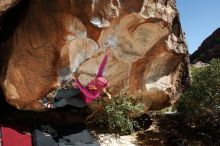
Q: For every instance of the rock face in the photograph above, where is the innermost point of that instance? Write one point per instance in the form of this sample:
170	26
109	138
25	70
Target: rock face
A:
43	42
7	4
209	49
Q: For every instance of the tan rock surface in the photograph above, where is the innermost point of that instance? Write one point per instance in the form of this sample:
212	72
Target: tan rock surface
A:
55	38
7	4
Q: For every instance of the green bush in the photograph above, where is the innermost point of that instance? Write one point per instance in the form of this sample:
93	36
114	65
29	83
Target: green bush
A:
118	114
200	104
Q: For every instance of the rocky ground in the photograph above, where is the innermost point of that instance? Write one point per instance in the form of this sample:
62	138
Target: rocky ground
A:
165	130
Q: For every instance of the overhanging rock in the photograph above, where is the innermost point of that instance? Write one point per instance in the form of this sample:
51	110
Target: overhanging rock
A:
53	38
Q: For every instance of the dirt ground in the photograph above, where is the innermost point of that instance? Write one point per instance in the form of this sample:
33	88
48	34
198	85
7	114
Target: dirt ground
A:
165	130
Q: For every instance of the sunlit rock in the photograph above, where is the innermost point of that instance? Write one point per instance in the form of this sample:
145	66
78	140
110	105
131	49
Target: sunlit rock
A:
52	39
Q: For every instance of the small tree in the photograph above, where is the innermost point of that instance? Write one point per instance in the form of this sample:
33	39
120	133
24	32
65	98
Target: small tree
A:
119	113
200	104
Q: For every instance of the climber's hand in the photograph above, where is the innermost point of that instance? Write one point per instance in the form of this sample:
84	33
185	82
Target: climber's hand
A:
107	50
108	95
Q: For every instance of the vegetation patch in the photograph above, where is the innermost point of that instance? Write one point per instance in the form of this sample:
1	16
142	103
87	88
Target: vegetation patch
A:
119	114
200	104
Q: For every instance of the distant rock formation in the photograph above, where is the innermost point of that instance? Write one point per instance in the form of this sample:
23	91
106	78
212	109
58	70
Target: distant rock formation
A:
209	49
42	42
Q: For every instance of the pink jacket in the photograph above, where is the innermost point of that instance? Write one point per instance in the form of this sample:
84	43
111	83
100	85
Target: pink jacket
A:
90	95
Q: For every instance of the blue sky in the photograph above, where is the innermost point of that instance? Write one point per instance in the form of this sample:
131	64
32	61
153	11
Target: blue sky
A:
199	19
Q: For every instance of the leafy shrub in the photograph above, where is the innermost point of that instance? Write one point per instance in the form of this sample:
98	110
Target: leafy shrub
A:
200	104
118	114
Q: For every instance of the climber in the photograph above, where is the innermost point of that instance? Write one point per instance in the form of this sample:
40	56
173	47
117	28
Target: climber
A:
81	96
94	88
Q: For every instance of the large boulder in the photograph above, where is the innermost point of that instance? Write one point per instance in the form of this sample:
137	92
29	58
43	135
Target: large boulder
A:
44	41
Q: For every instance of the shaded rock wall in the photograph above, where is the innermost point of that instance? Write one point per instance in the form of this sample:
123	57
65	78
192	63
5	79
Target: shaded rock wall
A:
209	49
54	38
